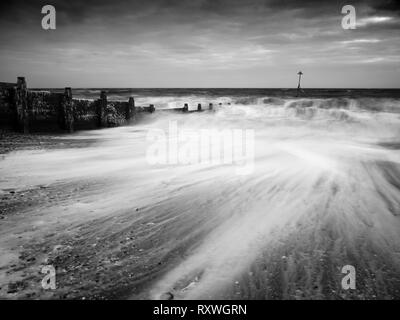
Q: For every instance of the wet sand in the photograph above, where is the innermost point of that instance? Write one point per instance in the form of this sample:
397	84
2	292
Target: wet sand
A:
114	227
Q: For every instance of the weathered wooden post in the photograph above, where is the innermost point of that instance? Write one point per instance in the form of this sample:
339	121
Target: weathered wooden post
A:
130	109
21	105
67	108
185	108
210	106
151	108
101	107
199	107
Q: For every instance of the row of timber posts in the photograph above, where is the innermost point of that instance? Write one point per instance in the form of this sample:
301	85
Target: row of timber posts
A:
66	108
130	110
199	108
23	108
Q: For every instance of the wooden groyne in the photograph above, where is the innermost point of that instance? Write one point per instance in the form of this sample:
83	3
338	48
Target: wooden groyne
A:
185	108
28	111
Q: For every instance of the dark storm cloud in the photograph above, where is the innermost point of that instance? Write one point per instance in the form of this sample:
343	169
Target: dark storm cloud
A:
73	10
78	10
387	5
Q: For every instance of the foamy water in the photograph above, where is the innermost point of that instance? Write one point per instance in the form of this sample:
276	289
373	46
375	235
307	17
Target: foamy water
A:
317	162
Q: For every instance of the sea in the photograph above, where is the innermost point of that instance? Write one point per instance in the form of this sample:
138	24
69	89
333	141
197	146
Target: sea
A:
175	98
323	193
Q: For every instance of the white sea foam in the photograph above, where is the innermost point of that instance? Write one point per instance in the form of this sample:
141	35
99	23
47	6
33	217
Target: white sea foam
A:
314	163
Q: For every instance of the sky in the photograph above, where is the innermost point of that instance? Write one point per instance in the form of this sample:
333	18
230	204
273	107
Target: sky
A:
201	43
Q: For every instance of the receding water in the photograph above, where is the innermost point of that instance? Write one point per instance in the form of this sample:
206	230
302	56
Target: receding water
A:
326	172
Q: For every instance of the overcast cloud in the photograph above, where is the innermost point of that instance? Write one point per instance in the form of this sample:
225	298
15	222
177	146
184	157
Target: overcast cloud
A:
200	43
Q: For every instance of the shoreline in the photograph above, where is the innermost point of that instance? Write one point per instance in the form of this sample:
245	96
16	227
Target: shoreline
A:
116	228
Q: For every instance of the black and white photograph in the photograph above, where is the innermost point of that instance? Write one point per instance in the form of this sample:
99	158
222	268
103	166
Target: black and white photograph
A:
205	150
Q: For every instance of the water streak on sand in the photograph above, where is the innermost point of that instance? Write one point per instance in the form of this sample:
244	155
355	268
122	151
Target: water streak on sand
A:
317	167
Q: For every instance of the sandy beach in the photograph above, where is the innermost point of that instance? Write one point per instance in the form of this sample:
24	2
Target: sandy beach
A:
116	227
